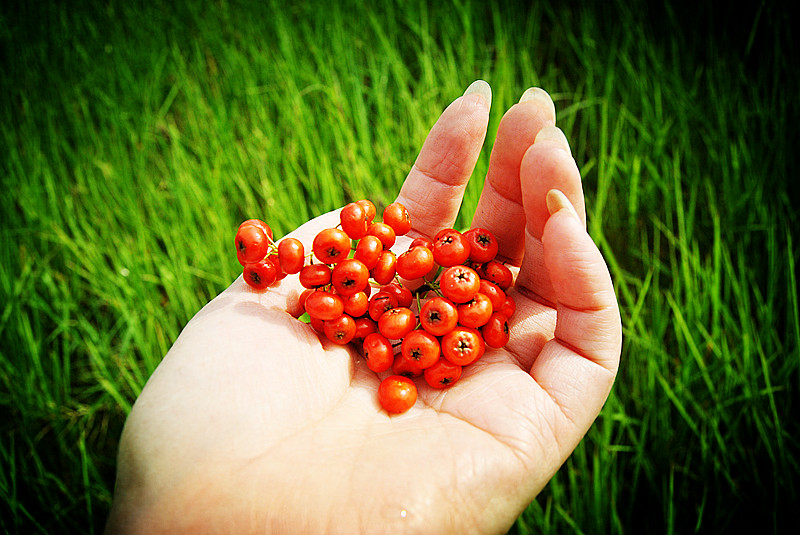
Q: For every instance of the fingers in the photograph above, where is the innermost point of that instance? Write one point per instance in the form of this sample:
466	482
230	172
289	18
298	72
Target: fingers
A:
434	188
578	365
500	208
546	165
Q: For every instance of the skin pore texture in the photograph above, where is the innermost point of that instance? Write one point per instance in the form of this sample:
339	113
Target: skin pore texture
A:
254	424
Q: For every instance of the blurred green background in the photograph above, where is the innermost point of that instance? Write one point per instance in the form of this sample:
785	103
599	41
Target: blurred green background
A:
134	136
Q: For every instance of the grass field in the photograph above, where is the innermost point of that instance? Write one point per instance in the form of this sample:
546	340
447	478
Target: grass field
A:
134	139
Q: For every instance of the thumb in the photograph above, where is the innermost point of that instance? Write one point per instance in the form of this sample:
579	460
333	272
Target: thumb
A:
578	366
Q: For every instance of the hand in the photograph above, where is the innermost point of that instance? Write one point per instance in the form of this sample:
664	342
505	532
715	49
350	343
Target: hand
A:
253	424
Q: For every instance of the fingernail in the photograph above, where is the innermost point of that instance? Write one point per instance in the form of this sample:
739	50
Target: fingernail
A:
552	134
539	95
481	88
556	200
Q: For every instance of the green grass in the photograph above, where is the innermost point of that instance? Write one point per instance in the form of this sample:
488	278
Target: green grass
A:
133	139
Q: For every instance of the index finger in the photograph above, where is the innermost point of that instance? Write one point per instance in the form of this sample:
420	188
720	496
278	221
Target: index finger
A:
434	188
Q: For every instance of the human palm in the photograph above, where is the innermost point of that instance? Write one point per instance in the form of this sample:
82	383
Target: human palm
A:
253	423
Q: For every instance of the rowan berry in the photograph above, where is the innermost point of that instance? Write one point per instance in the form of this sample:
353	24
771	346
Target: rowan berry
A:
291	254
324	305
331	246
315	276
483	245
396	323
378	352
258	223
459	283
405	367
415	263
364	327
356	305
397	394
495	294
450	248
438	316
349	276
396	216
259	275
463	346
475	312
280	274
252	244
420	347
369	210
442	374
353	218
317	324
423	241
384	271
509	307
498	273
340	330
368	250
383	232
404	296
496	332
380	303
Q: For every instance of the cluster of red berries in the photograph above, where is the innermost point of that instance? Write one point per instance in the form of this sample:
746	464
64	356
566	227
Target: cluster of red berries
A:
428	312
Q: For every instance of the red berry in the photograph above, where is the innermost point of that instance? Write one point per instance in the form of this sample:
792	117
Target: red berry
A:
498	273
397	394
354	220
442	374
301	301
396	216
483	245
331	246
421	348
495	332
396	323
317	324
369	250
509	307
291	254
450	248
280	274
378	352
475	312
357	304
405	367
315	276
380	303
340	330
260	275
459	283
364	327
349	276
463	346
423	241
252	244
496	295
438	316
369	210
383	232
258	223
415	263
404	296
384	270
324	305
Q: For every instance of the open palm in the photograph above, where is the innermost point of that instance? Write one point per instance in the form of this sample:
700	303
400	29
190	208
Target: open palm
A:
252	423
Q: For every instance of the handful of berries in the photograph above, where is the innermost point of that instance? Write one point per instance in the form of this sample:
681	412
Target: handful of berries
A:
428	312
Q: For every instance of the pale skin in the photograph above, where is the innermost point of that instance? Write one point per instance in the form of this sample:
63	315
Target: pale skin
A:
253	424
